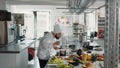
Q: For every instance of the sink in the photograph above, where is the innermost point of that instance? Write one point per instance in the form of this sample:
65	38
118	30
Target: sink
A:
22	43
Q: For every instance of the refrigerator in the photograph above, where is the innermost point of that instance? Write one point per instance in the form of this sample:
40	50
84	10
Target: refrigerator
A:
11	29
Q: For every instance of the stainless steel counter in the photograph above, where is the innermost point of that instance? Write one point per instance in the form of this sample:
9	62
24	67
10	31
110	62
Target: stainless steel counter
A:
16	47
15	55
97	63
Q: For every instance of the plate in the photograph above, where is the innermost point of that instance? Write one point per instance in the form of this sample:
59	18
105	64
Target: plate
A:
98	49
52	64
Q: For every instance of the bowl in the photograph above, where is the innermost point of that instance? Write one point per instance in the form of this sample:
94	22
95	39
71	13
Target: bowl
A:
89	47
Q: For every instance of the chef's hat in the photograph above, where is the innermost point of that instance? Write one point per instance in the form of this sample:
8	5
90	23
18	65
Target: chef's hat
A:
57	28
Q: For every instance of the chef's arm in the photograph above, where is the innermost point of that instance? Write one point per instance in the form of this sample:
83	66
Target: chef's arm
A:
51	46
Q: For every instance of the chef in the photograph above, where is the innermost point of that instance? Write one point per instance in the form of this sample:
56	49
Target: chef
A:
48	46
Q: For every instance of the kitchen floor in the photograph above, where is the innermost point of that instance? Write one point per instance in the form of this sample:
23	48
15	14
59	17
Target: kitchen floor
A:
35	64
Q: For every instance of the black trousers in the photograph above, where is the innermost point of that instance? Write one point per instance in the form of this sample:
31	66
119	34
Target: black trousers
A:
42	63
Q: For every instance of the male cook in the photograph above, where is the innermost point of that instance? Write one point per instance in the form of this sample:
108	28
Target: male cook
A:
48	46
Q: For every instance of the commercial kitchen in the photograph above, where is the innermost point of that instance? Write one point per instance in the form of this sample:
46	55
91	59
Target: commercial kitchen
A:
90	33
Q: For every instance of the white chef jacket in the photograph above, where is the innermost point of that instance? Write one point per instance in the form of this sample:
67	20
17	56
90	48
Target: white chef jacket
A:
46	50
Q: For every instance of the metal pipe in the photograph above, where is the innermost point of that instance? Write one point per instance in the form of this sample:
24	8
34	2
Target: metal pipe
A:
76	8
35	24
84	4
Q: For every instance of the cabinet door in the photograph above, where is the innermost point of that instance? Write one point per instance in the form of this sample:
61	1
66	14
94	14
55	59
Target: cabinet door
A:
3	32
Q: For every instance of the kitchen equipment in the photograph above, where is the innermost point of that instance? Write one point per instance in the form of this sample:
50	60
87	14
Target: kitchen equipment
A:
85	44
72	47
62	52
89	47
79	52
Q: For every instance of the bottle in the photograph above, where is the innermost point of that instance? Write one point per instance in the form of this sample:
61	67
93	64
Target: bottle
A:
18	41
67	50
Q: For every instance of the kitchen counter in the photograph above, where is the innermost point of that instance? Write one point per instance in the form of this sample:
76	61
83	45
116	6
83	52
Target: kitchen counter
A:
97	64
15	55
16	47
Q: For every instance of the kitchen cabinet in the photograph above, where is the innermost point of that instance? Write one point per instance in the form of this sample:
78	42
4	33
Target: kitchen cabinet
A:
3	32
14	60
5	15
15	55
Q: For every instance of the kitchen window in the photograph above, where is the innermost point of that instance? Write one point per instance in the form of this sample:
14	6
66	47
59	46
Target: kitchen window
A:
43	23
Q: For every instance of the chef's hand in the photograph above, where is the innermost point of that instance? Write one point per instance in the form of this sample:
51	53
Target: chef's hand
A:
56	45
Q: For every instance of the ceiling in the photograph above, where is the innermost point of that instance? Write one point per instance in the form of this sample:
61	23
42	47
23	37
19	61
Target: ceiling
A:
96	4
38	2
47	2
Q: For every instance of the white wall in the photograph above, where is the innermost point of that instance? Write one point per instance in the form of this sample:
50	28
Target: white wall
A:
2	4
91	22
91	17
75	18
30	8
81	18
102	12
54	13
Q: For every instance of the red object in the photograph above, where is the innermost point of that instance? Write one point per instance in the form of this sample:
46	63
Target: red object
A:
31	51
101	33
80	57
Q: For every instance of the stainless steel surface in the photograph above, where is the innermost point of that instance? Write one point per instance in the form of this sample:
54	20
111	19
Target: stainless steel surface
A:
17	47
97	64
3	33
14	60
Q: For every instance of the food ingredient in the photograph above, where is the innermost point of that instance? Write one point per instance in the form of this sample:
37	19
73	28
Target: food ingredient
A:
84	57
88	65
89	57
60	62
80	57
100	57
70	61
81	61
70	66
62	65
56	60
